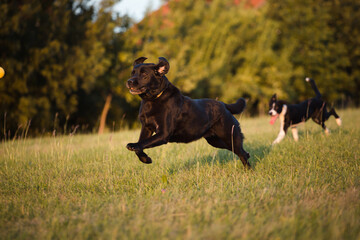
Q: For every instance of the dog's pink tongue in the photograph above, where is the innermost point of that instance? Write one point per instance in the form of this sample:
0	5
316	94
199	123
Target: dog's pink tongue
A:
273	119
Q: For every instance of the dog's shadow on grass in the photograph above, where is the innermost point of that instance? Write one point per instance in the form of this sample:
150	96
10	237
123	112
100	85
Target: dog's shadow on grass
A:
258	151
318	132
222	157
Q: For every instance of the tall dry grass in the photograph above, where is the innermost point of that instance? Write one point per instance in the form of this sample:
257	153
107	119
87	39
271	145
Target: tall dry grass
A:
91	187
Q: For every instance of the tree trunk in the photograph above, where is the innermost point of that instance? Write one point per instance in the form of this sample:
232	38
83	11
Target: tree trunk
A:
104	114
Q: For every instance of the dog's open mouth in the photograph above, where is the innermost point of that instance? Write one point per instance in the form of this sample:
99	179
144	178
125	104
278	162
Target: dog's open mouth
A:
273	119
135	91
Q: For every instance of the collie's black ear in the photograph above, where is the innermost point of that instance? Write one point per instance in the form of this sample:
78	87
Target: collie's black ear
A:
139	61
274	97
163	66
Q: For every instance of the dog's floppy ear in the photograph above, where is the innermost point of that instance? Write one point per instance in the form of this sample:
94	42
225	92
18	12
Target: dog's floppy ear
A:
274	97
139	61
163	66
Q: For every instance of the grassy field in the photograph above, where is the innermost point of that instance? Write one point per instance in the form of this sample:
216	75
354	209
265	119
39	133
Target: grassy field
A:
91	187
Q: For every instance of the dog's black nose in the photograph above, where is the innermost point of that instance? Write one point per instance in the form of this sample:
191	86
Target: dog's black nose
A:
131	82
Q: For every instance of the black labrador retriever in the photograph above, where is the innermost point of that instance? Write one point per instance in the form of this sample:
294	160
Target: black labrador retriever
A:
177	118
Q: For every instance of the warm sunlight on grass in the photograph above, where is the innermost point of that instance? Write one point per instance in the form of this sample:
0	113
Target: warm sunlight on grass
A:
91	187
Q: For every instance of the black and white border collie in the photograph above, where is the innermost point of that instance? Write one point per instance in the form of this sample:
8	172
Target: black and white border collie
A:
291	115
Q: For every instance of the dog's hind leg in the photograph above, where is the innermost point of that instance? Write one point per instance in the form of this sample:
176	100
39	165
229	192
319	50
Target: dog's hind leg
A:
337	118
321	122
327	131
232	142
237	139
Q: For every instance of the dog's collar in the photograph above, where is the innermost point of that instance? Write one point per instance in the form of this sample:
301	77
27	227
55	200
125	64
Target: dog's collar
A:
148	95
160	94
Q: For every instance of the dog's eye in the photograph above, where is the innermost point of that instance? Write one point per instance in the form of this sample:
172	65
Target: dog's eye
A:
132	73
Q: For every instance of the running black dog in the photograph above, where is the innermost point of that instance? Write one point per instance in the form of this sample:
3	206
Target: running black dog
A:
176	118
292	115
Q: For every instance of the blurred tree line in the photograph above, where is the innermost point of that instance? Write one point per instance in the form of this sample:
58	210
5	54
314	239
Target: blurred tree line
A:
61	62
220	49
67	61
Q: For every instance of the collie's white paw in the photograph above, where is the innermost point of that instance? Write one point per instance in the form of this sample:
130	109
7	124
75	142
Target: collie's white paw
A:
338	121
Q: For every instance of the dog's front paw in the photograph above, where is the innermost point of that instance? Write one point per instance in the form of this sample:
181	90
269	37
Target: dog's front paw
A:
146	159
133	147
143	157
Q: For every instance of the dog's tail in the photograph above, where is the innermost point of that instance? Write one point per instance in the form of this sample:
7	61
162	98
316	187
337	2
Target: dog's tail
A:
237	107
314	87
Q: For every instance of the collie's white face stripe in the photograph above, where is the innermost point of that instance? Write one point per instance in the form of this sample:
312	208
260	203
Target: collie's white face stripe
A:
272	111
282	123
294	132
